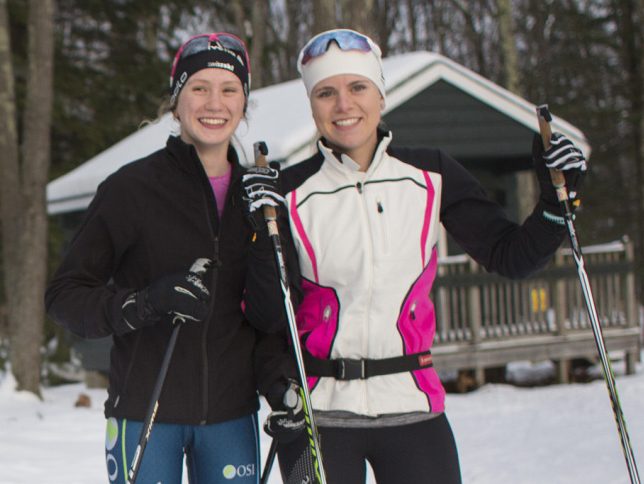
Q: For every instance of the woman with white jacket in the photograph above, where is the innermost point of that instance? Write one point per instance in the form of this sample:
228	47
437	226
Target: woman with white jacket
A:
365	218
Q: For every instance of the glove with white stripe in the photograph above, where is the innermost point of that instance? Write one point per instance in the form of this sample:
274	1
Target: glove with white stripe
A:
260	187
286	421
565	156
183	295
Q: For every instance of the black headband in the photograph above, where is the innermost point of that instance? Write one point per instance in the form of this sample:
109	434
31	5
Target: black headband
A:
216	58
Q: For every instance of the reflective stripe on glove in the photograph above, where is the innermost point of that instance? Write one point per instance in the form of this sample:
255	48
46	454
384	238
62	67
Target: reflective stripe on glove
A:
260	188
183	295
260	185
565	156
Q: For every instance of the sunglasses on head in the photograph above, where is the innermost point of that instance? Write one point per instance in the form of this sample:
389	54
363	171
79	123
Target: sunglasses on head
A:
345	39
216	40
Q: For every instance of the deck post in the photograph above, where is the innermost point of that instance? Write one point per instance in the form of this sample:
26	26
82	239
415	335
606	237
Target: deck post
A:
632	319
559	304
475	315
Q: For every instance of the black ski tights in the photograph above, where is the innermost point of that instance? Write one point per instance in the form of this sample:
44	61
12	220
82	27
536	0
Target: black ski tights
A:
418	453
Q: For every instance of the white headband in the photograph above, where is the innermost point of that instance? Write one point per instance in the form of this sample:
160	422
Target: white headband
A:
336	61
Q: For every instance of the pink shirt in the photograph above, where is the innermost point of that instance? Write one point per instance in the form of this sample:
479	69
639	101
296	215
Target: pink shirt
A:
220	186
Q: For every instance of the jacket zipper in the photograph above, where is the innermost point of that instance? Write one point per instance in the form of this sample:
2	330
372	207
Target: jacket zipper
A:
383	225
204	341
216	263
369	247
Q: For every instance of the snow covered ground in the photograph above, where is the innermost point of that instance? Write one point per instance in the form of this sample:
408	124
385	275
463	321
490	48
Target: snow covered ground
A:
506	435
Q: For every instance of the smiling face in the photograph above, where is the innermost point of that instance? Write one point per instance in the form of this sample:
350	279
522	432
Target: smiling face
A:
209	108
346	109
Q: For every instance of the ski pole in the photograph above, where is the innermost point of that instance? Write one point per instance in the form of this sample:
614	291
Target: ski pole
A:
272	452
154	403
270	215
198	267
559	182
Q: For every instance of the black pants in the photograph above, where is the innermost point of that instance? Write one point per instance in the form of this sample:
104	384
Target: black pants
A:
418	453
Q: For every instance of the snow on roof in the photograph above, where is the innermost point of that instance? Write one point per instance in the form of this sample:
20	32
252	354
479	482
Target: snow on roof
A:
280	115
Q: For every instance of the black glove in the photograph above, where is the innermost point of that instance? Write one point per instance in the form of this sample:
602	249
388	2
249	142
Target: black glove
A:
184	295
562	155
286	421
260	187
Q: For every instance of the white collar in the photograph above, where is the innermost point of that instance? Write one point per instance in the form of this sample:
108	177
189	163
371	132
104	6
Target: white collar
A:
345	162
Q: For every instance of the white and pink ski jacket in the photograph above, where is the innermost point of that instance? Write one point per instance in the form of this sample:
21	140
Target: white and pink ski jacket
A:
366	244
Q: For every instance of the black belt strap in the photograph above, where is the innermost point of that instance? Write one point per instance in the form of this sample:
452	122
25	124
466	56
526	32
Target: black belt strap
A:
355	369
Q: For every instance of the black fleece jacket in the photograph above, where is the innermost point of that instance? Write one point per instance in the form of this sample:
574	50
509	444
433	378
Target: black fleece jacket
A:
151	218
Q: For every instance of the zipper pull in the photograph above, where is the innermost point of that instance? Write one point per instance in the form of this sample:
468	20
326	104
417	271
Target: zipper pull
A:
326	314
380	209
359	187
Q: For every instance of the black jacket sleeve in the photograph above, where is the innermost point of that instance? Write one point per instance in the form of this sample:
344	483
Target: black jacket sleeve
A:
264	297
274	365
481	227
274	360
81	295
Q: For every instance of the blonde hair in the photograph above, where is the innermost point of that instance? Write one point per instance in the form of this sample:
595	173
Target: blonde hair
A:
164	108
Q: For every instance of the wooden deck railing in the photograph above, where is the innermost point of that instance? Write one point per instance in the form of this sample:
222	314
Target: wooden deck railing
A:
485	320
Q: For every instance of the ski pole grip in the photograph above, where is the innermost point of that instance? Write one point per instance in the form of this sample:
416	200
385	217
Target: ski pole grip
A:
270	214
557	177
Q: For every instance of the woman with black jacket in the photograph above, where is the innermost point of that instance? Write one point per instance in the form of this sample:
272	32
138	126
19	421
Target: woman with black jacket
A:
127	274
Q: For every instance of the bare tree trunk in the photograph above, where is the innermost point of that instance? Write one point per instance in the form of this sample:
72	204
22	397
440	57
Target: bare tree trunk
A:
436	25
258	26
628	16
410	5
294	41
24	212
508	47
9	167
150	29
386	16
8	139
633	33
527	191
473	35
361	16
636	73
239	17
323	16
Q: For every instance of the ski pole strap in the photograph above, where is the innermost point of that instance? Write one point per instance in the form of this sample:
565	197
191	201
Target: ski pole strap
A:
360	369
